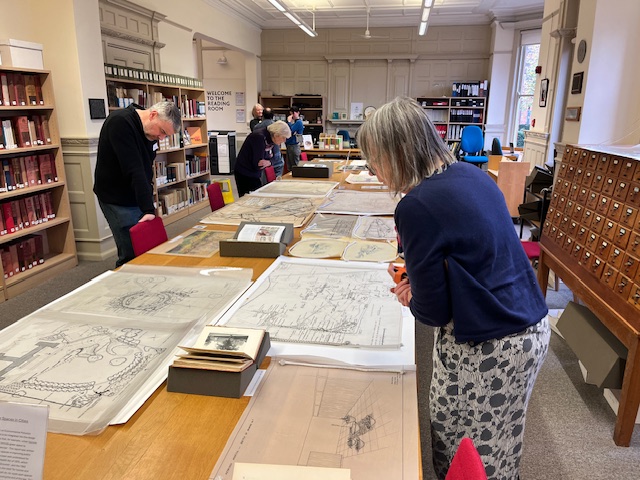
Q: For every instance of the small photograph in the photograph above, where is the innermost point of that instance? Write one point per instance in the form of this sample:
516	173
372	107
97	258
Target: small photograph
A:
228	342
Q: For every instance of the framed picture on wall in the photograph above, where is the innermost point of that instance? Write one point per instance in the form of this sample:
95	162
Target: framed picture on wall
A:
544	90
576	83
572	114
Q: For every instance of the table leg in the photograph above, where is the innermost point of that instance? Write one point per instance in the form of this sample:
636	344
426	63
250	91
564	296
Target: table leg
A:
543	273
630	398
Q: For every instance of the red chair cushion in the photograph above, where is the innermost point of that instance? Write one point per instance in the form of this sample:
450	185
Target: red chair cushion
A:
146	235
532	249
270	174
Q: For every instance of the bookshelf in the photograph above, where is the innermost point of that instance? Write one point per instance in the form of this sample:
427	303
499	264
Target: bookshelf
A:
181	167
36	233
451	114
311	106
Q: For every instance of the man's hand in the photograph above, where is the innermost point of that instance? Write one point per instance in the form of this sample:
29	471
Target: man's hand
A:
147	217
264	163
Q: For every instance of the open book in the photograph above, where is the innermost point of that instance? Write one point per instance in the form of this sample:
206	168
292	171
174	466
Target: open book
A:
222	348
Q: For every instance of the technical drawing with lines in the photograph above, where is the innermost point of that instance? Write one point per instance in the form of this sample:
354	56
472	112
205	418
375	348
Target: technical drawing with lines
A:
319	248
160	294
330	417
253	208
375	228
364	251
84	372
194	243
322	302
363	203
304	188
328	225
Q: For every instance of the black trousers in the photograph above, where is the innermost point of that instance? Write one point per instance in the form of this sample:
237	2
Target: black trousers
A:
246	184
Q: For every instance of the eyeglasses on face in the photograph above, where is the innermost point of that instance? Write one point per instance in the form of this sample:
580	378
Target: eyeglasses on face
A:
370	169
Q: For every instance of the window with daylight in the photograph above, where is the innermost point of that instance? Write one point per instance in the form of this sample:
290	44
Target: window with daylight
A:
526	78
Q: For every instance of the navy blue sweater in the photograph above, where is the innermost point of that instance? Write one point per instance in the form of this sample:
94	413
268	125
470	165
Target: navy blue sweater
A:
463	257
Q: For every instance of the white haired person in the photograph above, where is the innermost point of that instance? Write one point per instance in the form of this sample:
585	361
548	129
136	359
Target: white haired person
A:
256	113
467	276
256	153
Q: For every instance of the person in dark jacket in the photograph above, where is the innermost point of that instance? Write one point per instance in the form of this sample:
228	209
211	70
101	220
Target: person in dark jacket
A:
468	277
256	153
124	167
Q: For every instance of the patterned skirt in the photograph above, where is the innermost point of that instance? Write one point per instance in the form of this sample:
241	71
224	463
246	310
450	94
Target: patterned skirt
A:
481	391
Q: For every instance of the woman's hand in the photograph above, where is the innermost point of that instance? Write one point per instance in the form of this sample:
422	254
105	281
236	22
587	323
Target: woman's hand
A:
264	163
403	292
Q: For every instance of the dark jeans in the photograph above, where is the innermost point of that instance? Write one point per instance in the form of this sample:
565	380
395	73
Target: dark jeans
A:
246	184
293	155
120	220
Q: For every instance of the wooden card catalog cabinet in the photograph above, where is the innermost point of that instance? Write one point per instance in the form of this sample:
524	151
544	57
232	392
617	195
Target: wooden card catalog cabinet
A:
591	239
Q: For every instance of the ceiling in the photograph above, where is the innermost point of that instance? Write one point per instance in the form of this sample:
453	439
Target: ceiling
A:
383	13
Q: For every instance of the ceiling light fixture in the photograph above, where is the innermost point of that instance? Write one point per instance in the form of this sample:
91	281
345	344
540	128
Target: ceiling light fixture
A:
223	59
426	10
311	31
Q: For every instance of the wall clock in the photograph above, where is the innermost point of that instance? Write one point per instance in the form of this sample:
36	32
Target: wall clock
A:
369	111
582	50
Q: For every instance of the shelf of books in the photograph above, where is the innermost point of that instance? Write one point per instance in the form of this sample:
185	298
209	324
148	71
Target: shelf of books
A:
36	234
451	114
182	165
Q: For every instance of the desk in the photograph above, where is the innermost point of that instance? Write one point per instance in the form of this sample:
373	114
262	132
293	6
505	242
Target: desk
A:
173	435
312	153
510	177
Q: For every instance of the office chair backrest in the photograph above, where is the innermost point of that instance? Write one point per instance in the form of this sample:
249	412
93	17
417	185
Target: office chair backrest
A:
346	138
216	200
496	147
147	235
472	140
270	174
304	157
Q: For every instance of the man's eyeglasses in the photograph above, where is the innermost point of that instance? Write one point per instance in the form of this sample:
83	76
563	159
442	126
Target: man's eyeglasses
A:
370	169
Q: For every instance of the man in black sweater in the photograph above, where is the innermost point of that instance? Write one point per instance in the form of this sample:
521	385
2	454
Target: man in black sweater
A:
124	167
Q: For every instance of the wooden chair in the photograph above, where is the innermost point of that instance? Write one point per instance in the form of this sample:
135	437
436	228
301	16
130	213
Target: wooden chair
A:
147	235
467	463
216	200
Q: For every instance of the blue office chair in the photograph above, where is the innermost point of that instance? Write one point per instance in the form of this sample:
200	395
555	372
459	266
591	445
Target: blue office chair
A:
472	145
346	138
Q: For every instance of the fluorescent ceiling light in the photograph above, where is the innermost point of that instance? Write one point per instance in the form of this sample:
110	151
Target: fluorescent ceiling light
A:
427	3
294	18
276	4
425	14
423	28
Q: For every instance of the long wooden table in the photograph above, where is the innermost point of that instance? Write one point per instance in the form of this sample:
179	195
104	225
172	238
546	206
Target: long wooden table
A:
173	435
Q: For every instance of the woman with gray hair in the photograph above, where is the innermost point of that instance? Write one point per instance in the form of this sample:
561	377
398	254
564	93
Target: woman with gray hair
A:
256	153
467	276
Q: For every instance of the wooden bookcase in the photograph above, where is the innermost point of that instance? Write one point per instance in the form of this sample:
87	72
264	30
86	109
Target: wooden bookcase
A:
451	114
176	196
55	233
311	106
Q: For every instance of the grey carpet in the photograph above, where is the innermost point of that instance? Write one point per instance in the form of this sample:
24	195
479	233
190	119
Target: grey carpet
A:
569	424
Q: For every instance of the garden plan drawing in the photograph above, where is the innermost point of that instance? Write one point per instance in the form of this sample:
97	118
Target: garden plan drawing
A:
156	294
325	417
327	225
359	203
296	188
365	251
253	208
87	355
319	248
194	243
322	302
375	228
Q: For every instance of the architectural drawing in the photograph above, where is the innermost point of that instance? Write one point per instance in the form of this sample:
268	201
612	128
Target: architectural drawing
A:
194	243
365	251
319	248
359	203
254	208
88	354
327	225
157	294
362	178
296	188
84	372
375	228
322	302
325	417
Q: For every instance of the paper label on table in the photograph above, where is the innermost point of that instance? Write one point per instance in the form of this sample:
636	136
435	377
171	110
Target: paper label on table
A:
23	435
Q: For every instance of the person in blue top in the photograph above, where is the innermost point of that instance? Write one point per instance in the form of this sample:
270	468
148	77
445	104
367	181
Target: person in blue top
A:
293	147
467	276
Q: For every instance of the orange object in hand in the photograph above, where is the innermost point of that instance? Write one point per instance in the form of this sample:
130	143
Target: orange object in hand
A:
400	274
